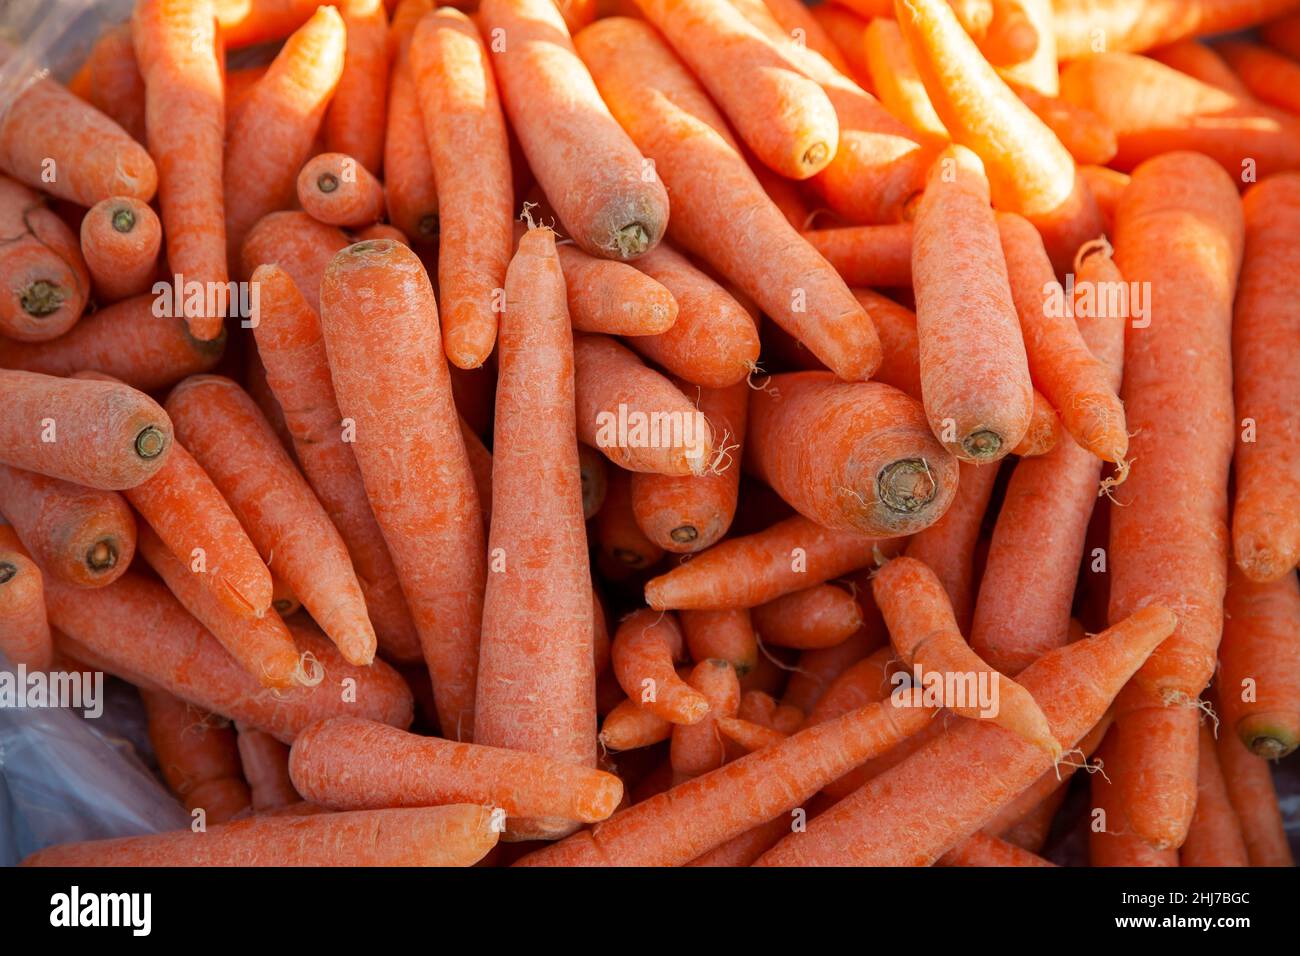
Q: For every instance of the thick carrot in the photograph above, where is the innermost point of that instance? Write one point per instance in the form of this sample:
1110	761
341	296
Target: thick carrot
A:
636	417
698	748
981	849
229	437
630	726
613	297
297	369
43	278
272	135
1110	840
120	238
336	189
24	631
892	821
723	635
1259	664
1088	139
895	80
47	130
671	117
850	456
645	646
685	514
817	617
115	86
197	755
1155	109
466	135
1215	837
1266	322
298	244
178	49
355	122
743	572
1254	798
1202	62
1158	741
140	632
380	324
620	209
99	434
713	342
408	170
265	762
867	255
1135	26
453	835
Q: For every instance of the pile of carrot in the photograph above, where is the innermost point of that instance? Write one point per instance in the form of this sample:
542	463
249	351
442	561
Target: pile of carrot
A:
669	432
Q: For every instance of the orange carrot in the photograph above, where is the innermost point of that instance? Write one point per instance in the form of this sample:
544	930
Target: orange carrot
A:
24	631
198	757
817	670
722	635
381	230
298	244
1085	135
593	472
1265	525
380	323
1250	788
1215	837
228	436
645	646
613	297
1107	187
875	468
803	27
178	49
566	130
867	255
698	748
1134	26
355	122
630	726
43	279
895	80
981	849
271	136
1198	60
749	736
671	118
249	22
140	632
114	84
453	835
1022	32
335	188
265	762
408	170
1110	840
120	238
298	372
817	617
621	544
468	147
744	849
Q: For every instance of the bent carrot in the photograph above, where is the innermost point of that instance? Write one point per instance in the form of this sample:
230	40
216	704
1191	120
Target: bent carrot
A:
629	726
43	279
24	630
642	654
698	748
355	122
197	755
336	189
817	617
1214	838
120	238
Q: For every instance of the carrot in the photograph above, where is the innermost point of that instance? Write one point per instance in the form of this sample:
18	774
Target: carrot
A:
721	635
259	390
100	434
895	80
468	146
1198	60
1259	664
298	244
1082	133
743	572
817	617
566	129
380	324
593	474
355	122
880	472
629	726
336	189
671	118
271	136
634	415
803	27
114	84
713	342
248	22
867	255
1155	109
1254	799
1131	26
43	279
981	849
53	141
139	631
297	369
1110	841
1024	32
1265	529
198	757
891	820
1215	837
613	297
453	835
1029	171
120	237
1107	187
381	230
621	544
698	748
744	849
24	631
645	646
408	169
265	763
1283	34
178	49
749	736
230	439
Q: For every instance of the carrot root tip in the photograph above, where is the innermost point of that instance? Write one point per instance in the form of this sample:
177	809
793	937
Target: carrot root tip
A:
7	572
907	486
982	445
684	534
327	182
123	220
631	241
102	555
42	298
150	442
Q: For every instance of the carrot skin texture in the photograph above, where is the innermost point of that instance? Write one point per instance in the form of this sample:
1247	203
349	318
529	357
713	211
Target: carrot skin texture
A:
337	190
197	755
1110	840
642	654
698	748
357	112
1215	837
45	280
817	617
120	238
24	630
1250	788
725	635
296	243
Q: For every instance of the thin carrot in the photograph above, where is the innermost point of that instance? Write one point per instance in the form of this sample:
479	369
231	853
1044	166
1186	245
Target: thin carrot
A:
671	118
630	726
1025	33
141	632
1266	321
120	238
228	436
749	736
298	244
817	617
1215	837
453	835
891	820
1134	26
265	762
744	849
114	84
466	134
24	630
178	49
43	279
698	748
408	169
380	323
613	297
297	369
1110	840
895	80
1254	798
336	189
355	122
197	755
645	646
1202	62
271	136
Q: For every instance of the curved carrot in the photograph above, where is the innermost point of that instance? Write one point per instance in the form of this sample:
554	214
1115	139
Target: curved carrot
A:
409	187
1133	26
1110	840
298	244
229	437
466	134
120	238
265	762
379	319
43	279
177	45
454	835
336	189
698	748
1215	837
721	635
1250	788
24	630
613	297
629	726
355	122
642	654
197	755
820	616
